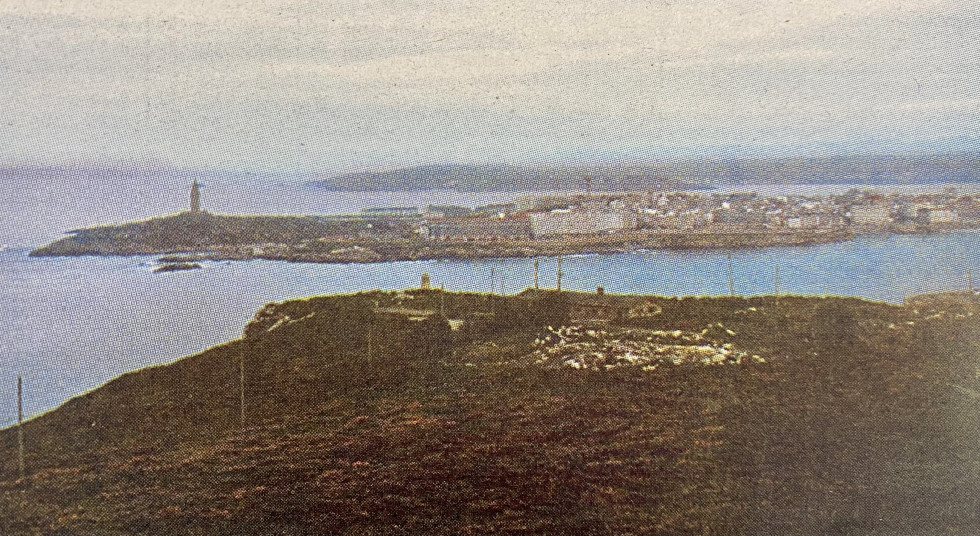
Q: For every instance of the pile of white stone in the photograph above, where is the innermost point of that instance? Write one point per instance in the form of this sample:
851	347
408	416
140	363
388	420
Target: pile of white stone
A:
582	348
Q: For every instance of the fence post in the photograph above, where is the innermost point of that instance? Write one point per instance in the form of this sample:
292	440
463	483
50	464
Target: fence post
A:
731	276
559	273
777	281
20	426
241	389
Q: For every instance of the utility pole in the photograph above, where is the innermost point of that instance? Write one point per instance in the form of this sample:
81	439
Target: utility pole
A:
559	273
731	276
535	274
20	426
241	389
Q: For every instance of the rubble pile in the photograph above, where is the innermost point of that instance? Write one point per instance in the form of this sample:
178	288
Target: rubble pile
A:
596	349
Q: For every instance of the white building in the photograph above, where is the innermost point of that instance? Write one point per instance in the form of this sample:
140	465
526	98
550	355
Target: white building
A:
565	222
942	215
870	214
803	221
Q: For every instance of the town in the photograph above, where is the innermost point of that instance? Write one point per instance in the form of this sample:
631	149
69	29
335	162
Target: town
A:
531	225
549	216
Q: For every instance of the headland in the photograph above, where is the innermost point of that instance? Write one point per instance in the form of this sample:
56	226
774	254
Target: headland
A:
545	225
430	412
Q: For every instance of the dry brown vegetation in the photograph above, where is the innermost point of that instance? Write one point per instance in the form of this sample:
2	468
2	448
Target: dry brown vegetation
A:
852	425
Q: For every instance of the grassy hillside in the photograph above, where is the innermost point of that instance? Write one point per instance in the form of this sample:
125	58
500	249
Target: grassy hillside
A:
790	416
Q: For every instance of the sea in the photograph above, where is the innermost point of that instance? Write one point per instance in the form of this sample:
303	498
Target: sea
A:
69	325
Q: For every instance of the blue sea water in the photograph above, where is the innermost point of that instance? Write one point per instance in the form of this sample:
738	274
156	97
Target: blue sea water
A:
71	324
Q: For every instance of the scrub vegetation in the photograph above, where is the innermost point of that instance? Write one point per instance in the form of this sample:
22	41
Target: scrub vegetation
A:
428	412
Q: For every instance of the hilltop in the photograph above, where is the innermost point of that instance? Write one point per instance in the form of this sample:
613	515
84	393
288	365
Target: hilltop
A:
424	412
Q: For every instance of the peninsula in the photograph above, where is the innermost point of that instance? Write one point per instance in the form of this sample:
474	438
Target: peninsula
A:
533	225
429	412
192	238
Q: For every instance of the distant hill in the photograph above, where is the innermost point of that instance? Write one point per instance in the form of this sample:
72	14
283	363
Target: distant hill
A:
872	170
672	175
509	178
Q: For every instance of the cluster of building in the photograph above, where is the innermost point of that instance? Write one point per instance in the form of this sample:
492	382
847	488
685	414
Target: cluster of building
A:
534	217
556	215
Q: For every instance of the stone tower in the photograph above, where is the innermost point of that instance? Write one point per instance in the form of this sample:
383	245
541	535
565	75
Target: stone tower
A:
195	198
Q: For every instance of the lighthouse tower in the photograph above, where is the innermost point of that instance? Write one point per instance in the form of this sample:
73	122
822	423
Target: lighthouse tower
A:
195	198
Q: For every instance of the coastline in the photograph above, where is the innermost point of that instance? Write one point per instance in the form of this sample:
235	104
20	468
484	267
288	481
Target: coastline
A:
189	238
375	250
39	288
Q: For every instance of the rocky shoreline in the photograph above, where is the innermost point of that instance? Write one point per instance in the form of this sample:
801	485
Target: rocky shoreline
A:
370	251
188	239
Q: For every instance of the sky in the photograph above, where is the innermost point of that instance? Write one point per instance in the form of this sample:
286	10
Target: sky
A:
302	86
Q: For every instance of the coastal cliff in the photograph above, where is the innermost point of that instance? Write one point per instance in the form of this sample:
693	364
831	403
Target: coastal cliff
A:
550	413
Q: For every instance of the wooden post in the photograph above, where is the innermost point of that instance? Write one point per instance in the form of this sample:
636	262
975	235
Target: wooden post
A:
241	389
20	426
969	279
731	276
492	280
559	273
535	274
776	284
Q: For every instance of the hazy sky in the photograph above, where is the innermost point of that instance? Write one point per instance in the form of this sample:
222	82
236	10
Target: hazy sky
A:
294	85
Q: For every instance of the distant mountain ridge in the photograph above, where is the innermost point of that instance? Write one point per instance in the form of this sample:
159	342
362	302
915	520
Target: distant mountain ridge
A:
508	178
676	174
